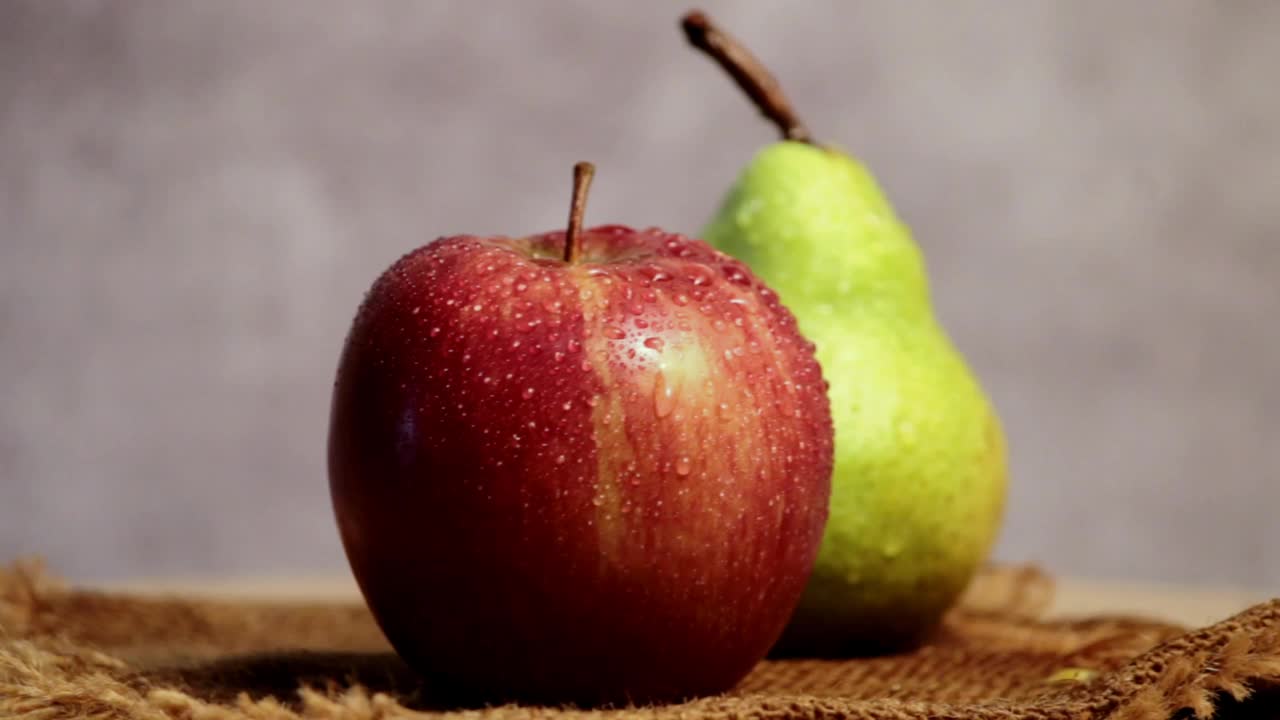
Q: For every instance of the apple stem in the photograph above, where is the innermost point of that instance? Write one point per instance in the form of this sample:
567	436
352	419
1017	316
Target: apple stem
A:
582	174
750	74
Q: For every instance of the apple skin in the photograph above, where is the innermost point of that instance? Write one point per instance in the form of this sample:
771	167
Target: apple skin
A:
599	482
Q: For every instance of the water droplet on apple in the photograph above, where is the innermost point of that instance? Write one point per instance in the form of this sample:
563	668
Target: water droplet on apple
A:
434	331
614	333
515	344
597	500
417	309
528	393
681	299
653	343
683	466
641	323
560	459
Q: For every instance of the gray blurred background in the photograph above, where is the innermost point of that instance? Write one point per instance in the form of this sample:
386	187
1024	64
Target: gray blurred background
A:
194	196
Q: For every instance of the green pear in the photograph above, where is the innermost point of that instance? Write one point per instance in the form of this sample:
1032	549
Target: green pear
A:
919	483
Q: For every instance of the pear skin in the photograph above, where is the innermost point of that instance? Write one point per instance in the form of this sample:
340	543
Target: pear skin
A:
920	475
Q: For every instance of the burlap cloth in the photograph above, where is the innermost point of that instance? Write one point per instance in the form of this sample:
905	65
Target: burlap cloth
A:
76	653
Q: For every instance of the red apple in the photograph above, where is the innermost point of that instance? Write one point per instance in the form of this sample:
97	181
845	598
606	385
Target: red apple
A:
585	466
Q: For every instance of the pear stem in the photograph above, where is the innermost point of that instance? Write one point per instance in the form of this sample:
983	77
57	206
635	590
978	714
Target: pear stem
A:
582	174
750	74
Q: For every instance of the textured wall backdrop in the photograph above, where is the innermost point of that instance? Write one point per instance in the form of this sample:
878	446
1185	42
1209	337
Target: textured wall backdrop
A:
194	195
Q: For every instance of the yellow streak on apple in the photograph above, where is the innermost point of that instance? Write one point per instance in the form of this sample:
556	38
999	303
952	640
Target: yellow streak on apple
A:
613	451
680	375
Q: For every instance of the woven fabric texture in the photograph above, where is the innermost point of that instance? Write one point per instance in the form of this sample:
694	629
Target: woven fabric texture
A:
67	652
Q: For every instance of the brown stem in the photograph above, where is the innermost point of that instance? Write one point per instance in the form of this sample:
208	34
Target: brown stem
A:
750	74
582	174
